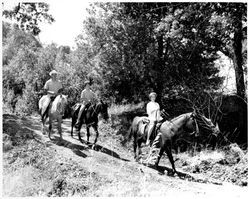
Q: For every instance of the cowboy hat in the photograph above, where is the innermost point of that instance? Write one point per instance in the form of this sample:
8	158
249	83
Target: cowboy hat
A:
87	82
53	72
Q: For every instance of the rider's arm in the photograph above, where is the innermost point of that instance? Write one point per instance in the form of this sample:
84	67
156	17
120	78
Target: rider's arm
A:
50	92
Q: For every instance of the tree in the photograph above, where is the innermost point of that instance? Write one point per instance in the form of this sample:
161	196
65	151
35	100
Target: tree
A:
171	52
15	40
28	16
228	32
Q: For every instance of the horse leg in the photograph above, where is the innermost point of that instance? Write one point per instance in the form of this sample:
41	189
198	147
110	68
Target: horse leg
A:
59	127
159	156
139	149
43	126
135	147
170	156
88	134
97	133
50	127
79	132
72	125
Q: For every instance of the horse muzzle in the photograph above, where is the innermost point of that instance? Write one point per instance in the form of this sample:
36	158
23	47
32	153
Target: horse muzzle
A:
216	130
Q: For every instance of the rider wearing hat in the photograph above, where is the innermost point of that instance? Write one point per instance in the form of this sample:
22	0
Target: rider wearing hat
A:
87	96
52	87
153	111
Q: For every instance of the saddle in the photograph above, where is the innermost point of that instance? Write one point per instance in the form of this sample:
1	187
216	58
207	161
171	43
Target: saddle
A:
46	112
144	127
76	109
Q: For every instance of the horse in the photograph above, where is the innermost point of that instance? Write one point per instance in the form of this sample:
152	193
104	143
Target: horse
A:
169	130
55	111
89	117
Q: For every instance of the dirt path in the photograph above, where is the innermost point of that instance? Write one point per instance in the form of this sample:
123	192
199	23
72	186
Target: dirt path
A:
124	177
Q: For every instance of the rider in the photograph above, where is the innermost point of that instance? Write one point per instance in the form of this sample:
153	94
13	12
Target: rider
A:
87	96
153	111
53	87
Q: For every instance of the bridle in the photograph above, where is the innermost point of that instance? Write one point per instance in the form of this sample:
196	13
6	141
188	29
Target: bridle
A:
194	118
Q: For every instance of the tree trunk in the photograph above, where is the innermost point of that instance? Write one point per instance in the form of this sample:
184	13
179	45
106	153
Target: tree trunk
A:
159	68
237	55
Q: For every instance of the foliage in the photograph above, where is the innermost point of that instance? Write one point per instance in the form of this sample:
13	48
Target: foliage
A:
29	15
167	54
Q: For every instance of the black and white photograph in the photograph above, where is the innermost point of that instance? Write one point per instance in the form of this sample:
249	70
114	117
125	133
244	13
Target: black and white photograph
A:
124	99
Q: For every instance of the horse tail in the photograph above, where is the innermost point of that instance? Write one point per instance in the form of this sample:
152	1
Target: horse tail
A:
132	129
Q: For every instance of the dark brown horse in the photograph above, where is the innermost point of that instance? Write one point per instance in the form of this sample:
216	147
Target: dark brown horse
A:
89	118
169	130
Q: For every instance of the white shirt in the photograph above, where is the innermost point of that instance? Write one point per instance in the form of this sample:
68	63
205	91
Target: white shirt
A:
53	86
88	95
153	111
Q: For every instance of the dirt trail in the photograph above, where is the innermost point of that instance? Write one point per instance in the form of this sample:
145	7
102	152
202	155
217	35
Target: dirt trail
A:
124	177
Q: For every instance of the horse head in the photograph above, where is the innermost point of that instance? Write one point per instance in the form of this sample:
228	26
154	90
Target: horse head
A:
205	123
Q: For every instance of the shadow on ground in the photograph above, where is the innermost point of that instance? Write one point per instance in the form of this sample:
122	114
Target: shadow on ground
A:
76	148
184	176
19	129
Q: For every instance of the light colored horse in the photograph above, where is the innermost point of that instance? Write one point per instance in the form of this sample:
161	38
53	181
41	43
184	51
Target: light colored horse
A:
55	112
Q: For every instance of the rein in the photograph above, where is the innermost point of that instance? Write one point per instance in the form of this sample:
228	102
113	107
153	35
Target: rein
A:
94	106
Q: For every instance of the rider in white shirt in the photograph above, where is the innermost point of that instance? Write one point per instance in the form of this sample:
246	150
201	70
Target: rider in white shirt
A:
52	87
153	111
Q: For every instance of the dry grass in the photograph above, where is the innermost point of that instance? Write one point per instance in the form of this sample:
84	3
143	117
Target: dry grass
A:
227	165
116	109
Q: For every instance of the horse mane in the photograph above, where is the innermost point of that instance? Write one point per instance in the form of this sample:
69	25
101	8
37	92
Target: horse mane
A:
57	101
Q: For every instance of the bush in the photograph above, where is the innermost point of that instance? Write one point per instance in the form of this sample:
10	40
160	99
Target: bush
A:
28	103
